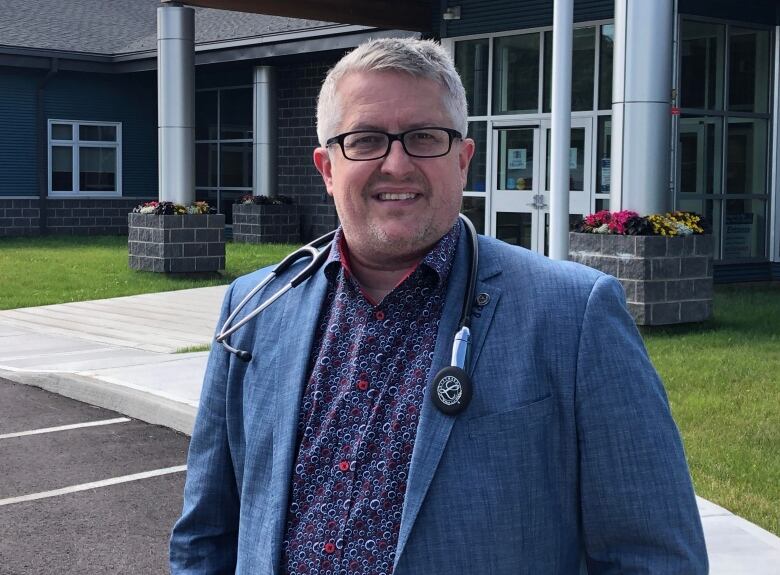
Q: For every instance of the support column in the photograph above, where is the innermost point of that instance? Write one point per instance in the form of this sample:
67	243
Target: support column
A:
641	106
560	136
264	156
176	103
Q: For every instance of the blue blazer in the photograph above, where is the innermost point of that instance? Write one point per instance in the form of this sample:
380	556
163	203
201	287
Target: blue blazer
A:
567	457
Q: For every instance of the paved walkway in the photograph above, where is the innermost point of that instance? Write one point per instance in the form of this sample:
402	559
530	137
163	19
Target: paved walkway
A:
120	354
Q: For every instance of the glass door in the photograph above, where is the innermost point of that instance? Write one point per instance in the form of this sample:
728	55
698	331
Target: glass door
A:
516	197
520	183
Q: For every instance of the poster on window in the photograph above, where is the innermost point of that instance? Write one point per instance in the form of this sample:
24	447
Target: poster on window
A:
516	159
738	239
606	173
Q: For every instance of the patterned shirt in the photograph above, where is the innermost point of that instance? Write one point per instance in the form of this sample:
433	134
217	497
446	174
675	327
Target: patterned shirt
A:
359	415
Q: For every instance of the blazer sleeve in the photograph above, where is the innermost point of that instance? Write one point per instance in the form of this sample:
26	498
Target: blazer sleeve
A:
638	507
204	539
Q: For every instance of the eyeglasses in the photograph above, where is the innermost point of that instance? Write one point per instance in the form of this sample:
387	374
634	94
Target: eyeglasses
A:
363	145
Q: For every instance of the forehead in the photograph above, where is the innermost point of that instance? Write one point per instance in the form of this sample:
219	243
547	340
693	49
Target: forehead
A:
390	100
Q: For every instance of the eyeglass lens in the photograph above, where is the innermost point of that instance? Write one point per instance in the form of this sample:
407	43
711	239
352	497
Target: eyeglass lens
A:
424	143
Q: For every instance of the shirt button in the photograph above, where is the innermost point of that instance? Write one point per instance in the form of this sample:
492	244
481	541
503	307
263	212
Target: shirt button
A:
379	315
362	385
344	466
329	548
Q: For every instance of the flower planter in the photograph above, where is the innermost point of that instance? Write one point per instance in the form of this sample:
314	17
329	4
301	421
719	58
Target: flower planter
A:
266	223
176	243
667	280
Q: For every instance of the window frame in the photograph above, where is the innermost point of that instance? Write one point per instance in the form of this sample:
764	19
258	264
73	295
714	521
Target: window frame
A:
75	143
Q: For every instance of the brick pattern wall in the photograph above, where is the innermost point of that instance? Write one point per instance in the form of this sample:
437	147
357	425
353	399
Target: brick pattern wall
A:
177	243
259	224
19	217
298	87
666	280
67	216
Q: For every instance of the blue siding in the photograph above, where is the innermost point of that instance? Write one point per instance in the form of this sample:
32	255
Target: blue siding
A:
486	16
128	98
18	153
757	11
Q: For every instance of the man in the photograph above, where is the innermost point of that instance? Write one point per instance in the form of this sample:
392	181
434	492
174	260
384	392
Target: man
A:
325	454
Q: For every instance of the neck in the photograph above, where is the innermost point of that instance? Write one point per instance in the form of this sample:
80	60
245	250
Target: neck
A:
378	280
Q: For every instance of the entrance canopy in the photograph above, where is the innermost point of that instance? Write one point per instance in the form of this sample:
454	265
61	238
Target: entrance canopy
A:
412	15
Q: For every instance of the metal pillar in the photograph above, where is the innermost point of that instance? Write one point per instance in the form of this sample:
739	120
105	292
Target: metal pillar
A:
560	137
264	156
176	103
641	106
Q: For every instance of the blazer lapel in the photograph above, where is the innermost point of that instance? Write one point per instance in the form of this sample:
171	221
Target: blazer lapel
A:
301	312
434	427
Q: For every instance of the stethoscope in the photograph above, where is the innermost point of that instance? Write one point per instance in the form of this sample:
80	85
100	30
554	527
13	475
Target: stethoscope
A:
452	387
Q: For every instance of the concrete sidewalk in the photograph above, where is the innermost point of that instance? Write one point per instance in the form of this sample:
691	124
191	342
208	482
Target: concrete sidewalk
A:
120	354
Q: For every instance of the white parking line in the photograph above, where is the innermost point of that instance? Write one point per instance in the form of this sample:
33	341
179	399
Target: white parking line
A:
65	427
92	485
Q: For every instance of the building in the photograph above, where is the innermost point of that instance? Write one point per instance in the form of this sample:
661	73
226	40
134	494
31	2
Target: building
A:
79	101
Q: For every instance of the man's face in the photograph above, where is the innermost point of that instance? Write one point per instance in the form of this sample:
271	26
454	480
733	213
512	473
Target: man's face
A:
395	208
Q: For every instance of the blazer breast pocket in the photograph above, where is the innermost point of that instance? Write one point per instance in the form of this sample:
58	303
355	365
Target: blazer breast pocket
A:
517	419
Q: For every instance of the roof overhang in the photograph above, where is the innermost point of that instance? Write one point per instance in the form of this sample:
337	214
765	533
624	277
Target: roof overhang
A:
414	15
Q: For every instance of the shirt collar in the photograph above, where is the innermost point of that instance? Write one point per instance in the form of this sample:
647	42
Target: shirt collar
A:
438	260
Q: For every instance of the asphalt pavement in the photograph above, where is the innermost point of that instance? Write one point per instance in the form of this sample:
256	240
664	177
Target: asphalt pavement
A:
120	354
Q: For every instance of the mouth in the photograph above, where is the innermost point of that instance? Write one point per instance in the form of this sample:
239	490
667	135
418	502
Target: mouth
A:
396	196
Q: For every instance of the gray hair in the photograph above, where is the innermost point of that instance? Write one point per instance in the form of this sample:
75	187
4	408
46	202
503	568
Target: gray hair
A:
418	58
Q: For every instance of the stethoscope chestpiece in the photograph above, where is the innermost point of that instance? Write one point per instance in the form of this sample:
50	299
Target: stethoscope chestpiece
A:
451	390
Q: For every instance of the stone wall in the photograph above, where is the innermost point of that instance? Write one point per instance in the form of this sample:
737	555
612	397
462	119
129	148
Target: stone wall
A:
176	243
667	280
67	216
271	223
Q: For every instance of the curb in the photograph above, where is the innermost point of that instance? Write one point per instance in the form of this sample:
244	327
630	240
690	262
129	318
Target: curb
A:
133	403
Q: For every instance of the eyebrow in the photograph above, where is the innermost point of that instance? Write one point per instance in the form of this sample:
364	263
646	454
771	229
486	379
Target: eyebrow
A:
375	128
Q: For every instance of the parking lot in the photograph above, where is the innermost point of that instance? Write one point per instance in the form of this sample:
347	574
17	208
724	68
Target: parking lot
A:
82	489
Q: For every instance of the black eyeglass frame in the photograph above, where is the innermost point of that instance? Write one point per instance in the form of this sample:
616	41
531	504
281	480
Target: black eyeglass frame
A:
453	135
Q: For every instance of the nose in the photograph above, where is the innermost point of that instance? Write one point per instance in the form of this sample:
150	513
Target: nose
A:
397	162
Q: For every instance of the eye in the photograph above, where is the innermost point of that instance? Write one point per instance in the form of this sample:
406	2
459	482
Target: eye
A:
364	140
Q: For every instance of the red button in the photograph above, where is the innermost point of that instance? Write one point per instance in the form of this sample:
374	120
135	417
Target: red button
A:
362	385
344	466
379	315
329	548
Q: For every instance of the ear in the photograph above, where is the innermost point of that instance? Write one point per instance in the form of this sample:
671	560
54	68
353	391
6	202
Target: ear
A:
324	167
465	154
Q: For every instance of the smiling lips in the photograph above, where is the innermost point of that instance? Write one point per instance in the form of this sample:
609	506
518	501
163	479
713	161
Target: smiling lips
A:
397	196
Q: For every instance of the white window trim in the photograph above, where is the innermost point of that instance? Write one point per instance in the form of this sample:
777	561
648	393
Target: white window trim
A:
74	144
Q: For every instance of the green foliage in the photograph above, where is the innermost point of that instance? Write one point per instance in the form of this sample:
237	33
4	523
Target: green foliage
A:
58	269
723	381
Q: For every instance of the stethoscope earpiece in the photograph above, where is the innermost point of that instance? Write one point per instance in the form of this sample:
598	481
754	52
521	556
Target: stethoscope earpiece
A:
452	390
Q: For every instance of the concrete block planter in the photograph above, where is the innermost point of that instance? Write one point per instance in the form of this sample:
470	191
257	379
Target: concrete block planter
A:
266	223
667	280
176	243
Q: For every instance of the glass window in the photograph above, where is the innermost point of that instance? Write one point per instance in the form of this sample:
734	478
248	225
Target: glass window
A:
700	152
61	169
744	230
604	155
206	115
97	133
97	169
606	51
206	165
746	156
748	70
516	74
90	163
235	164
472	61
576	160
701	65
235	114
478	166
474	209
61	132
582	69
515	159
514	228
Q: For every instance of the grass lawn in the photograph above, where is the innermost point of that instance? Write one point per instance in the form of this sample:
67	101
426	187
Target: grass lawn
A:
723	376
40	271
723	381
